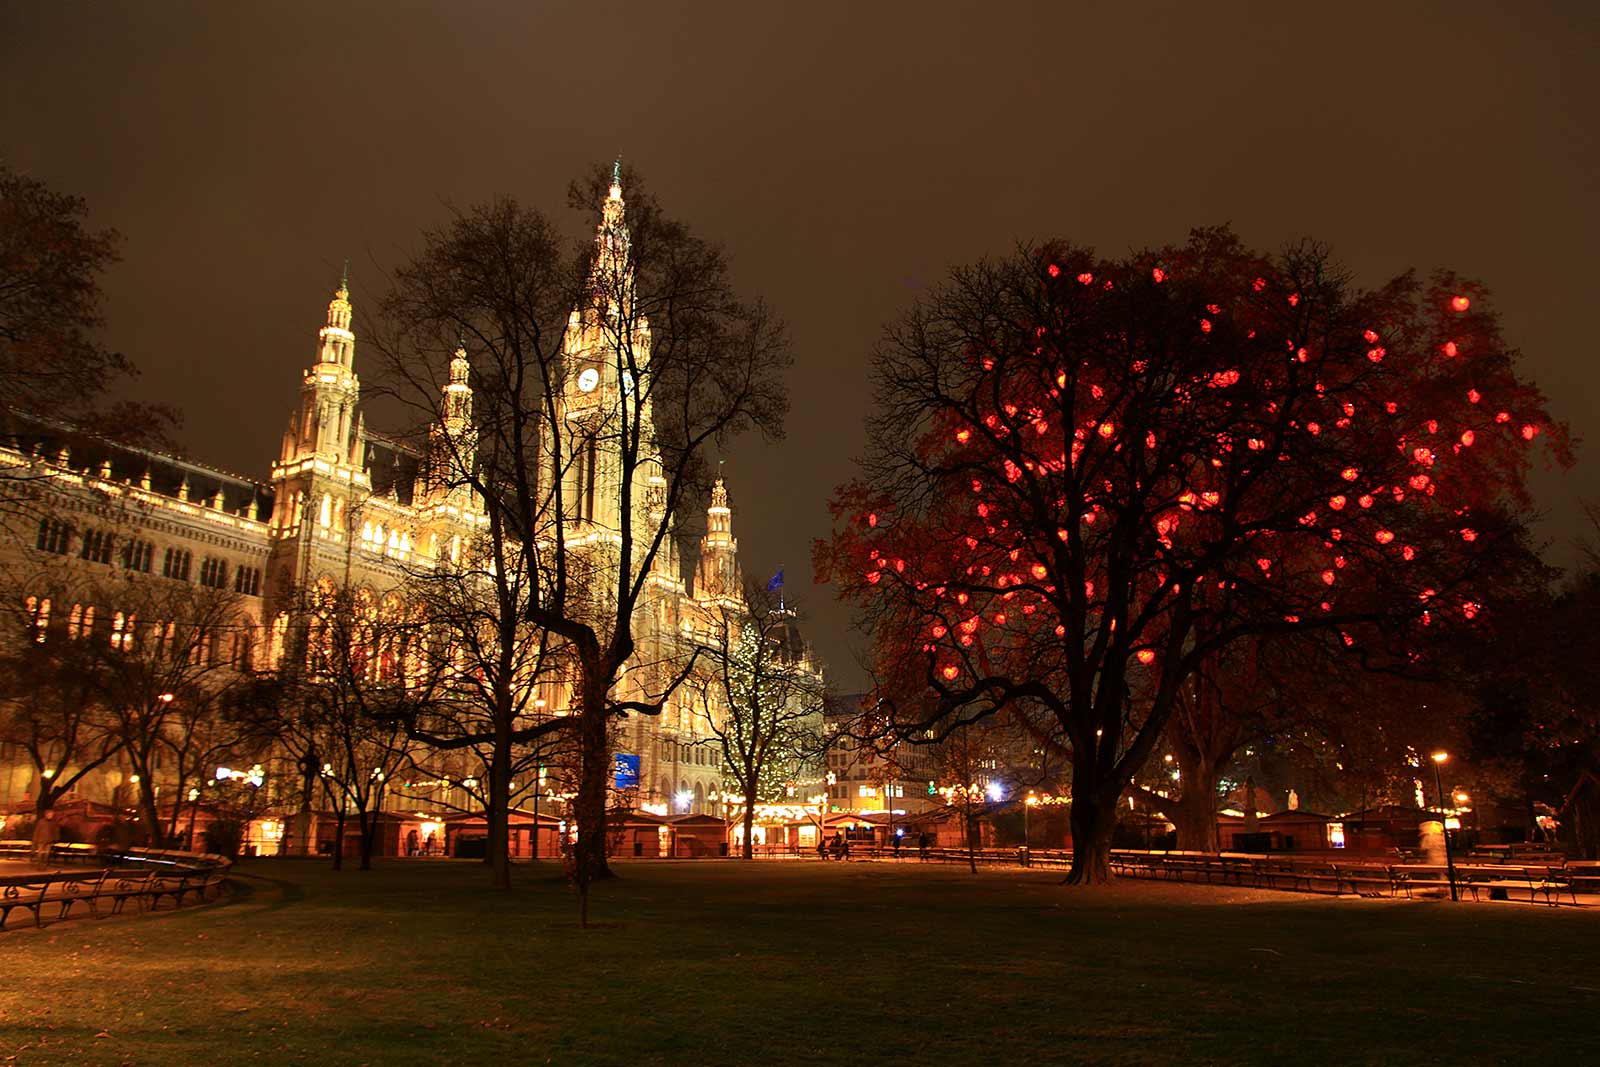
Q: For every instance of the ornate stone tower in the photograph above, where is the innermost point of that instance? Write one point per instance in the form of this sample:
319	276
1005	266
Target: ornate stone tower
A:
319	480
717	576
453	440
605	400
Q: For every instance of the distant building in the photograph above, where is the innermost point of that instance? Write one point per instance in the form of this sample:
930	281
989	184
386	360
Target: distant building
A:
862	779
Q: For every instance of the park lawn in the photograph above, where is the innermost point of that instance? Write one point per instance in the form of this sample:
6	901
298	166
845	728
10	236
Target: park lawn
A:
725	962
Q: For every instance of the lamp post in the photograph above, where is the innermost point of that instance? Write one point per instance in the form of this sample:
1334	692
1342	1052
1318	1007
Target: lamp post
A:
194	808
1438	781
1027	837
888	803
538	781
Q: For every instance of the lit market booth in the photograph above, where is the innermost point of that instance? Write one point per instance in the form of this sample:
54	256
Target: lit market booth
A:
777	829
466	836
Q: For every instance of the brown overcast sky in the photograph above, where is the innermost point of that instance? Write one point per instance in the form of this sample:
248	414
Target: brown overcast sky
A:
846	154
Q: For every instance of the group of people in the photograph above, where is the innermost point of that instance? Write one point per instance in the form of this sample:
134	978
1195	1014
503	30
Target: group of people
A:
835	847
838	846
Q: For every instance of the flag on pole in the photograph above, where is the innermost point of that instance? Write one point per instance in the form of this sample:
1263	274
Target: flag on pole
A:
776	581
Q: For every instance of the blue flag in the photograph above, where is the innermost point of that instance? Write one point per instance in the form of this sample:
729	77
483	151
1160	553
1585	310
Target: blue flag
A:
775	581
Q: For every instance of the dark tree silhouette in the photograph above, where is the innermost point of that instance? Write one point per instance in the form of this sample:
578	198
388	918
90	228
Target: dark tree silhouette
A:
601	381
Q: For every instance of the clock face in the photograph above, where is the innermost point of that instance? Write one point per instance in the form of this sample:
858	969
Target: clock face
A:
588	379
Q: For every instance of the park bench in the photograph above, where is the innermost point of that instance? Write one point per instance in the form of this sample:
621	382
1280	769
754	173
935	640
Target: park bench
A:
1552	881
177	885
83	887
129	885
28	895
1583	877
1425	876
1318	877
1367	879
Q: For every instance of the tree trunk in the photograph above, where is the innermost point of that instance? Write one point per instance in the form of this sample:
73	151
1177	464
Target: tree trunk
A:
1194	811
46	798
972	847
366	825
182	784
148	811
1093	818
498	813
749	825
338	840
590	850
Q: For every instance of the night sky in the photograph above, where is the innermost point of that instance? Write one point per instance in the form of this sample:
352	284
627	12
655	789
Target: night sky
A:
845	154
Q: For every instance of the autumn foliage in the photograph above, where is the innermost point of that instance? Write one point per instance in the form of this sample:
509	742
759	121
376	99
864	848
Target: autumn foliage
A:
1087	475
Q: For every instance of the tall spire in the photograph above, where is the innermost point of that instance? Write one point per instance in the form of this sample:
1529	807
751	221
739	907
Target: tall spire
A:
718	572
338	327
458	391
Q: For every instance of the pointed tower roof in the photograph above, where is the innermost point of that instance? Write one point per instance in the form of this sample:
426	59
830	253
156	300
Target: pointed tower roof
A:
339	306
717	574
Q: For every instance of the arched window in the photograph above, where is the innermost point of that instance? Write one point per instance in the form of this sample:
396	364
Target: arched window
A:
244	643
280	636
325	515
38	617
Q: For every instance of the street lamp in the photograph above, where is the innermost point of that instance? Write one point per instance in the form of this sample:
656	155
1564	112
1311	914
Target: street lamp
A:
1439	759
538	784
1027	838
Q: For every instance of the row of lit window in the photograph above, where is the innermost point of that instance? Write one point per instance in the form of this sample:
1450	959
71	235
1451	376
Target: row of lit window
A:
200	647
699	755
138	555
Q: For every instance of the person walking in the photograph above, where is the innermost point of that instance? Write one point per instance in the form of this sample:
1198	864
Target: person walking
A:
46	832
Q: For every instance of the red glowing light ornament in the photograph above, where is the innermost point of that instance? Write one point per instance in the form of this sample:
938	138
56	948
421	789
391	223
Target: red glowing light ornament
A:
1459	303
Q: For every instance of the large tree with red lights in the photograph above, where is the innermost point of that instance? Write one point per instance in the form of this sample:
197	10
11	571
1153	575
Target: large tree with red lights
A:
1087	476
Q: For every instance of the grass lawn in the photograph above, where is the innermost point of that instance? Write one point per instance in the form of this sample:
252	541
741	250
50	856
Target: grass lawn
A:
711	963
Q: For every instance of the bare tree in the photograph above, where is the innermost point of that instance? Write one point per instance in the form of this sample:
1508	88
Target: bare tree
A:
52	362
353	672
501	676
49	706
161	674
599	388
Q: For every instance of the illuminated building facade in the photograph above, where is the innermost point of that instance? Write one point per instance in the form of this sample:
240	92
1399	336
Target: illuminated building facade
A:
346	507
